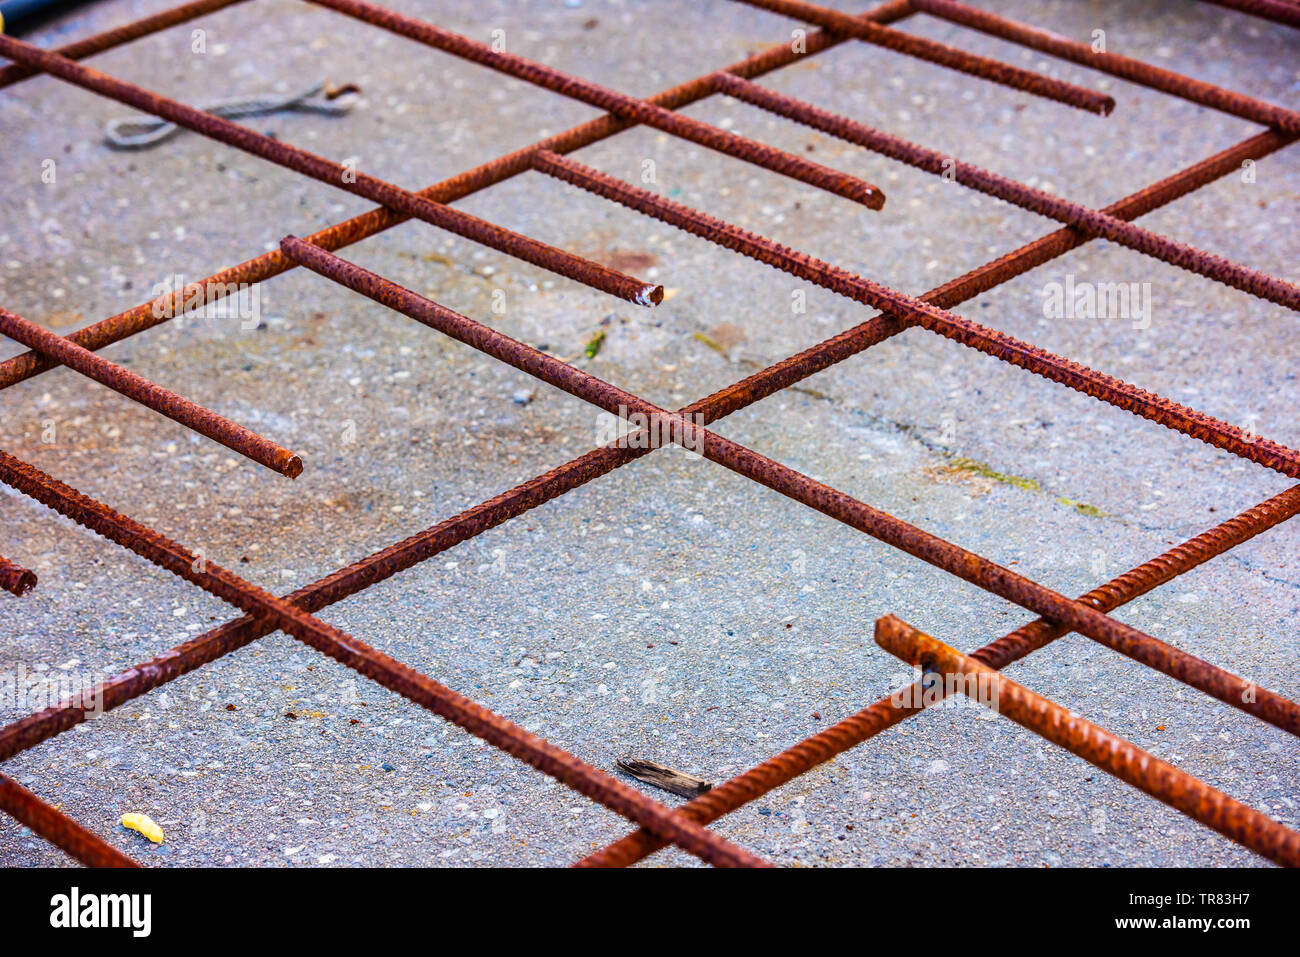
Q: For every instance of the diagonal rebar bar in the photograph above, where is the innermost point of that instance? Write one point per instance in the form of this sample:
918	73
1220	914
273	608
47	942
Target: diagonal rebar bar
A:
1228	688
884	714
339	175
379	667
267	612
56	827
1126	68
989	687
1090	221
134	386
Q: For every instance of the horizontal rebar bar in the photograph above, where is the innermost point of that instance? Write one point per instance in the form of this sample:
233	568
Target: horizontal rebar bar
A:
884	714
1099	385
134	386
915	46
1038	201
80	49
57	828
619	104
1114	755
954	559
337	174
1126	68
15	579
373	664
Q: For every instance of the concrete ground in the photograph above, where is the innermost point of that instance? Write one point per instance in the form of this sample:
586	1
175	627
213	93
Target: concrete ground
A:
671	610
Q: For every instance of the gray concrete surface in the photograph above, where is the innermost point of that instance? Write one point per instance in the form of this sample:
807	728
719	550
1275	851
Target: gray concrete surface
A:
671	610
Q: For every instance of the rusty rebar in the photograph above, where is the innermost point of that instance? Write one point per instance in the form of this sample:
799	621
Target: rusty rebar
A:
379	667
28	732
625	107
57	828
80	49
1126	68
374	221
466	524
686	432
1234	820
337	174
15	579
986	274
1091	221
911	311
134	386
911	45
885	713
269	264
1279	11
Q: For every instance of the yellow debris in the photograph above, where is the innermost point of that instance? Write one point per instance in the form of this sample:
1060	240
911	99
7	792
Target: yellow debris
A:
145	825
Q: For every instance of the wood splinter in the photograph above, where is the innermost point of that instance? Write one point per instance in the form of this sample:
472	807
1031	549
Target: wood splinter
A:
686	785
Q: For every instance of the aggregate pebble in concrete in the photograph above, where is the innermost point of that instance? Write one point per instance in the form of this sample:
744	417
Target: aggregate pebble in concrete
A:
671	610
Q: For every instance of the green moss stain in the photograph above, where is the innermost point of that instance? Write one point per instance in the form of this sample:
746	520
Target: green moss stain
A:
985	471
1018	481
594	344
708	341
1083	508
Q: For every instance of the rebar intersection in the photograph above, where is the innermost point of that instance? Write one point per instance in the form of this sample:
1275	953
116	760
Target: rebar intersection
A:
659	825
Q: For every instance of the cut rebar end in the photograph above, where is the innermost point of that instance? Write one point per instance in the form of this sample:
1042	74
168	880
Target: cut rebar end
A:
872	198
15	579
649	296
24	583
291	467
900	639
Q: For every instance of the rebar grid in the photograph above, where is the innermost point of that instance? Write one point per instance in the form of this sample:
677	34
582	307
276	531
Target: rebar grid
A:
294	613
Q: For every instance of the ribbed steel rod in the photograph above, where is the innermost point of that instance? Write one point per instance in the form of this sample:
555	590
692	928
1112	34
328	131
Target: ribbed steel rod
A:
125	382
57	828
911	311
387	562
625	107
912	45
374	664
1090	221
1279	11
1113	754
29	731
670	426
884	714
1126	68
80	49
273	263
15	579
269	264
336	174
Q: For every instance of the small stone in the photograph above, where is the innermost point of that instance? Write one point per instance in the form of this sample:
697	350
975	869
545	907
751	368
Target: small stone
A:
522	397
